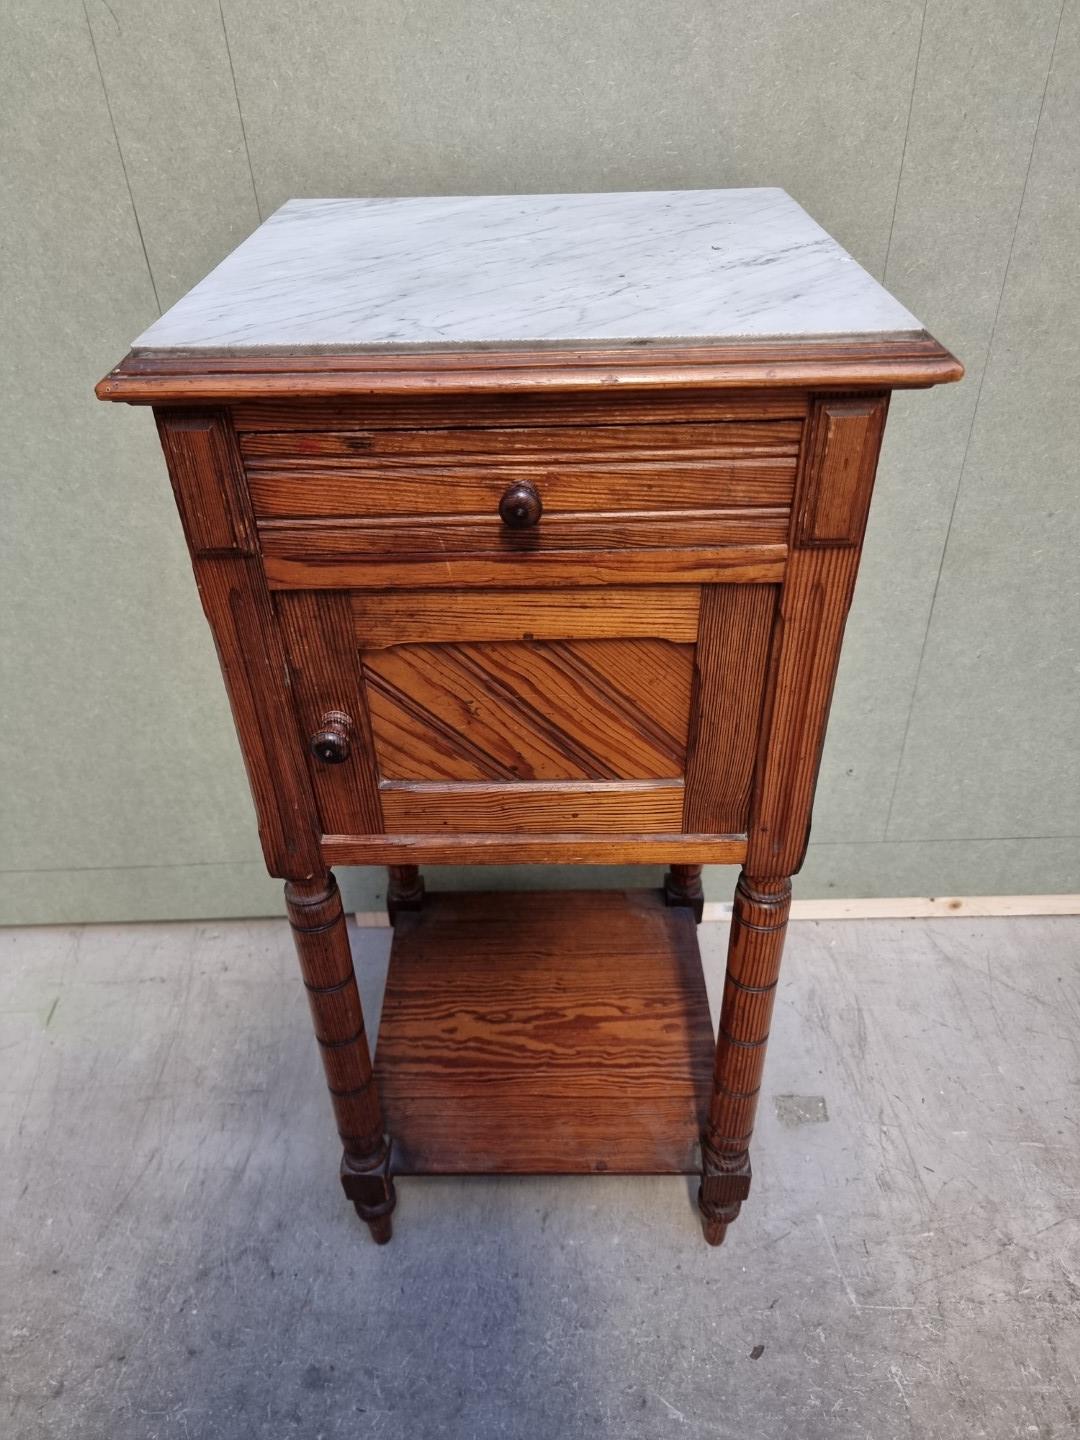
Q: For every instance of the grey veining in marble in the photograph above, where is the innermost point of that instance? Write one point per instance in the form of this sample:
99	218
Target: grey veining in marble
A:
530	270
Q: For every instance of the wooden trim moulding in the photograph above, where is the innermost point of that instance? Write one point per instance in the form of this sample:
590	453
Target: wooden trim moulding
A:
849	363
963	907
727	564
486	848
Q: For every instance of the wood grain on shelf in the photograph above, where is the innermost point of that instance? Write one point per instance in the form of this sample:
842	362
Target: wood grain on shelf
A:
504	1049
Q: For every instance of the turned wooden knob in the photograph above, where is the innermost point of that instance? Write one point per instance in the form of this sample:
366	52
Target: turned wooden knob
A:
521	506
330	744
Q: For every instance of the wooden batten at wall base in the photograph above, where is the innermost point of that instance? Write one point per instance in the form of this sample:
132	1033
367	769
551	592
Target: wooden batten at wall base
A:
918	907
904	908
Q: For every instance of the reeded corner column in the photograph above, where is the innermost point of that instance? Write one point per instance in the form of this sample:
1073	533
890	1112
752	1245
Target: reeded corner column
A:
322	943
755	948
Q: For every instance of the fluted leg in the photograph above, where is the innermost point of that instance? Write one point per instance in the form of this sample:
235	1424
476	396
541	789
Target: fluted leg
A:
404	890
682	886
758	926
322	943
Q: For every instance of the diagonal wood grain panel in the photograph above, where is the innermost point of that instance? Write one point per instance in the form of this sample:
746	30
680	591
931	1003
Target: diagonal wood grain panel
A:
531	710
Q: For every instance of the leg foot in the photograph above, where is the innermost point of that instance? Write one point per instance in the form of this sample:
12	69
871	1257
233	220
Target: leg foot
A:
370	1186
382	1228
715	1230
682	886
725	1184
404	890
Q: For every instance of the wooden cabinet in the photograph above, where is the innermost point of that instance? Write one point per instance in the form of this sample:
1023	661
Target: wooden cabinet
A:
481	601
594	667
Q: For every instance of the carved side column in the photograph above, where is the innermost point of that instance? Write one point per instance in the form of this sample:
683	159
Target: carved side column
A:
322	943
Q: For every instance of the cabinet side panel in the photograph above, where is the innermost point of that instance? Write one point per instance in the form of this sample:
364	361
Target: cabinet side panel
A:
200	450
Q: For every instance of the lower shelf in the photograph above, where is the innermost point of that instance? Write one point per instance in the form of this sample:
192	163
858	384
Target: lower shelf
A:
559	1033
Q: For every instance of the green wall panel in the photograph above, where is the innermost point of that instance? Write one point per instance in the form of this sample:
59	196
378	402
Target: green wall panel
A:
142	142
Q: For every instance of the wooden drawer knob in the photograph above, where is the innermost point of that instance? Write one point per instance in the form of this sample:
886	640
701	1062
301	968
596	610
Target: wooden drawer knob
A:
521	506
330	744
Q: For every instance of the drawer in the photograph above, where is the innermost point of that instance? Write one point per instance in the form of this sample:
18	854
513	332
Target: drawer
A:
665	518
605	469
357	497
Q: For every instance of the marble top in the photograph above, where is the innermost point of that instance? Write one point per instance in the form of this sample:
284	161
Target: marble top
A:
493	271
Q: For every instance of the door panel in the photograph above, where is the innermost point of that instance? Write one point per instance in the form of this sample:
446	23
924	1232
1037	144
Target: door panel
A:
531	710
507	714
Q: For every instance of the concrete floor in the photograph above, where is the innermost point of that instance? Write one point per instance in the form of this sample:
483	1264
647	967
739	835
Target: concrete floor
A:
177	1260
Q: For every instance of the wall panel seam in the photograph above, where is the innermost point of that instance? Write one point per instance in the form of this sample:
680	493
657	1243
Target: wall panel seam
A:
814	845
988	353
903	149
239	111
120	154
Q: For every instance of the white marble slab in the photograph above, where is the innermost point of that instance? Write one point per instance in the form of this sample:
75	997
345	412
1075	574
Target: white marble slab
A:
528	270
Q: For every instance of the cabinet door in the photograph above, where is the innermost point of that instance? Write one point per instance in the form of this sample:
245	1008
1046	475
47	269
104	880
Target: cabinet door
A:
585	711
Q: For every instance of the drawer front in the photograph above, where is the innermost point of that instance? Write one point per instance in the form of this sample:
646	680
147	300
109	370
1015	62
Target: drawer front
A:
588	711
560	550
611	470
623	490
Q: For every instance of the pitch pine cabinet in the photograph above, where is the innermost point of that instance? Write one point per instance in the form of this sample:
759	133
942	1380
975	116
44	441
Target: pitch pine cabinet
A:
526	528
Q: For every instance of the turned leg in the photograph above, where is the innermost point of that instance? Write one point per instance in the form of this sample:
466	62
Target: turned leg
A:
322	943
756	945
682	886
404	891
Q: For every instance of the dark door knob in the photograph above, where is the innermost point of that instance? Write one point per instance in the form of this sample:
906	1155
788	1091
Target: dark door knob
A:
330	744
521	506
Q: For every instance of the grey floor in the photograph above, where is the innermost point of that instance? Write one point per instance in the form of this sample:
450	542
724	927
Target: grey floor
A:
177	1262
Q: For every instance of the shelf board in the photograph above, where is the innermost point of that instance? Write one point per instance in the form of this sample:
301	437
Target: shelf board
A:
545	1033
